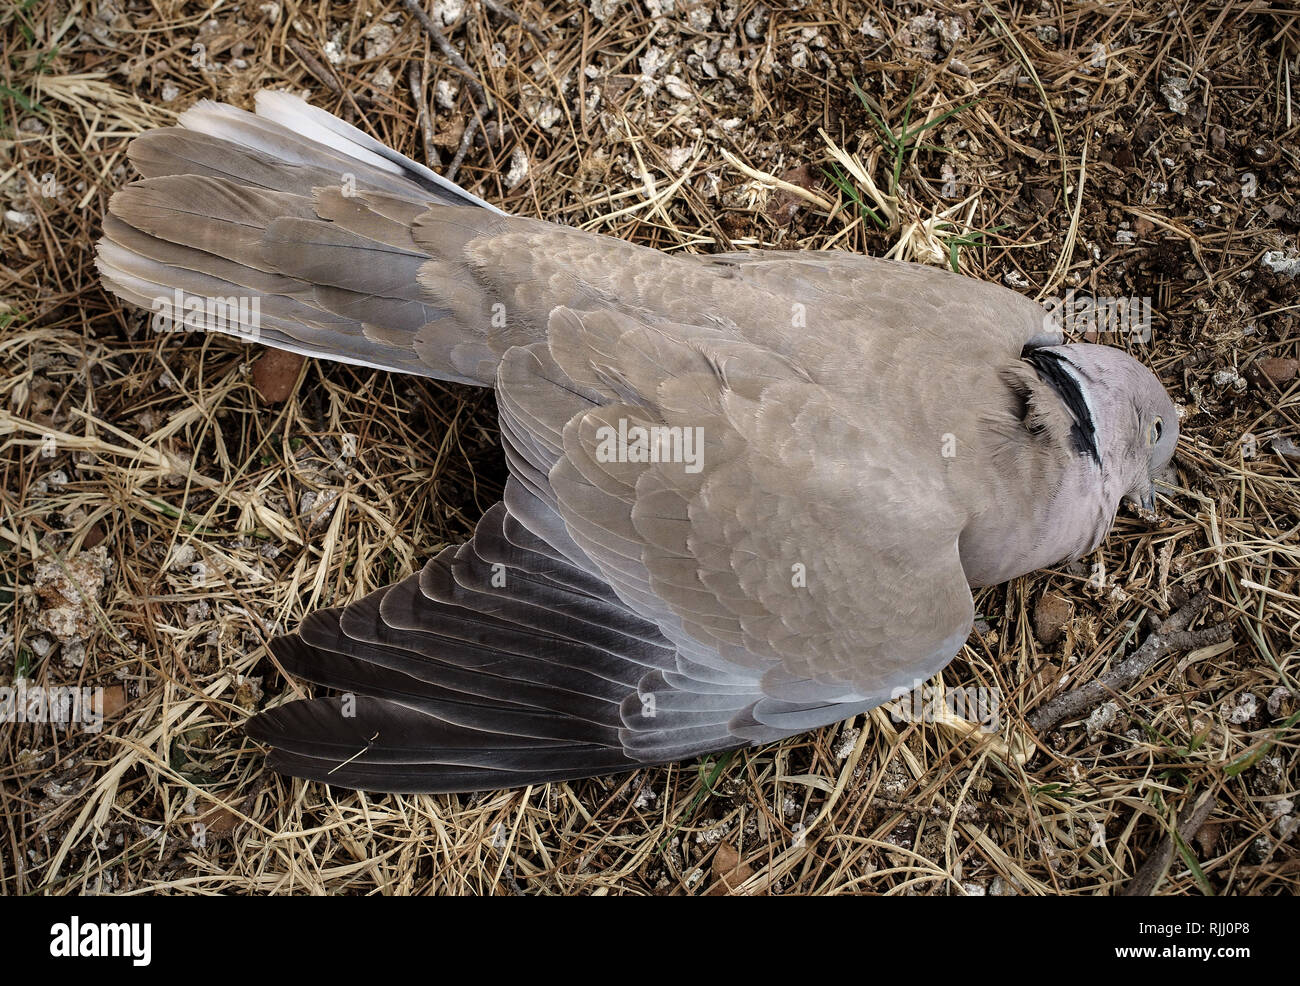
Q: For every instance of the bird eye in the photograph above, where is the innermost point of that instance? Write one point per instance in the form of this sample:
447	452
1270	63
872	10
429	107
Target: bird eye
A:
1157	429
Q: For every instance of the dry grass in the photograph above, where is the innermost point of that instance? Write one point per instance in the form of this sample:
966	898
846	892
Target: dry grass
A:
215	519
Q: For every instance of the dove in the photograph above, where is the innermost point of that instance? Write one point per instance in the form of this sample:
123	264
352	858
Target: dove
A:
749	493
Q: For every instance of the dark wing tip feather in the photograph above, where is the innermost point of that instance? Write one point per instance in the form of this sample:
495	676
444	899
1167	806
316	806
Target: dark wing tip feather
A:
463	684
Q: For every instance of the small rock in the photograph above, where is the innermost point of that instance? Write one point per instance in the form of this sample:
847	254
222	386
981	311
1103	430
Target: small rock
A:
448	12
73	653
1229	377
870	28
114	700
1286	448
646	798
728	870
783	206
276	373
848	740
518	168
68	593
1174	89
1208	836
217	822
1265	153
444	94
1051	616
1101	719
1274	369
1245	709
1279	702
1279	263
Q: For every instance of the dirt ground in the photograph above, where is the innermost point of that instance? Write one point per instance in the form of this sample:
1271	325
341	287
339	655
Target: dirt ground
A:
163	516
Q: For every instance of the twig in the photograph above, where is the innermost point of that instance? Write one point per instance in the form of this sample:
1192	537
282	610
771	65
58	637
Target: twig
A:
515	18
1153	870
415	74
314	66
1171	635
470	129
325	74
452	55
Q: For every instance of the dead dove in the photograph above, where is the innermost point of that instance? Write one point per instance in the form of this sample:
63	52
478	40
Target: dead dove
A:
749	493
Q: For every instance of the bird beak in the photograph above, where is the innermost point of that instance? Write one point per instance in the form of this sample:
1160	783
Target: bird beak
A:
1143	499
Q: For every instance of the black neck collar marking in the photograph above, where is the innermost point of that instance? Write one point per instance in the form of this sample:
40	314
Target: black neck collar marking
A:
1052	370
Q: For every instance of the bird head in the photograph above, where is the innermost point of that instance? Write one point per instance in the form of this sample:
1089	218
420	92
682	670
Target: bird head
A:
1127	417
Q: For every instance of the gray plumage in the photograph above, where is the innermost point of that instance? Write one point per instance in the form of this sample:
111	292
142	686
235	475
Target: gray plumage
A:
875	438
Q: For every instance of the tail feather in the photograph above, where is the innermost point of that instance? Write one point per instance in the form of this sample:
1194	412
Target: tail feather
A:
325	253
133	242
177	151
313	218
340	160
208	214
280	320
325	128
